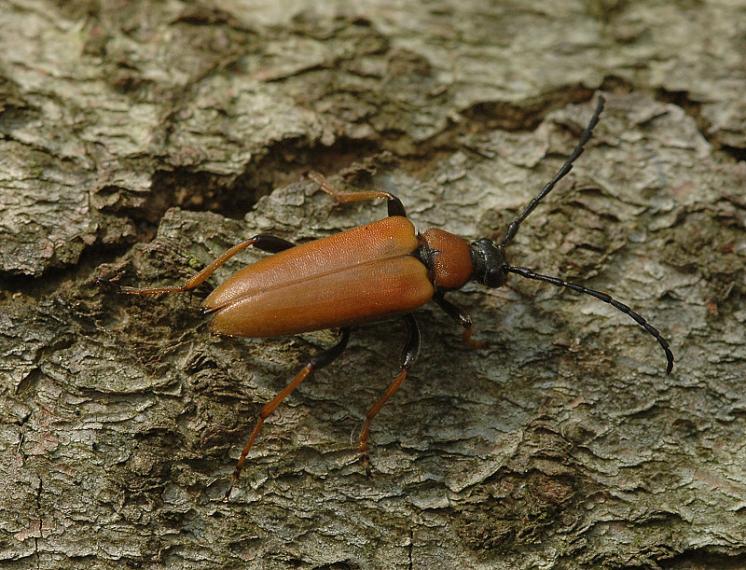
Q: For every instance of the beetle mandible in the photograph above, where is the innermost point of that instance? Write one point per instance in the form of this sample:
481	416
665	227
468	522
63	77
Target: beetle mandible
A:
367	273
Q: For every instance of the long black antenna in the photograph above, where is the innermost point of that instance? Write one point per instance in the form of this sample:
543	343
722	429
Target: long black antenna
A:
566	167
512	230
527	273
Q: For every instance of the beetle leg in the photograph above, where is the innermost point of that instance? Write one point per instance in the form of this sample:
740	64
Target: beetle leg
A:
408	357
317	362
395	207
463	318
268	243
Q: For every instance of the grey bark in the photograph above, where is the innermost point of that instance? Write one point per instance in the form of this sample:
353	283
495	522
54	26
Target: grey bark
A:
139	140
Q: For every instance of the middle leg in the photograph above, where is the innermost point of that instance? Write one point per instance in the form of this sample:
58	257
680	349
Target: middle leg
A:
408	357
463	318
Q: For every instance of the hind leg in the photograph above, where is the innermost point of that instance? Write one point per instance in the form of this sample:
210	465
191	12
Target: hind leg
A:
268	243
319	361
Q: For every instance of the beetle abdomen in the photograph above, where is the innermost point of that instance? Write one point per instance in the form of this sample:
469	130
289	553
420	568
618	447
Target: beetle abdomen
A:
362	274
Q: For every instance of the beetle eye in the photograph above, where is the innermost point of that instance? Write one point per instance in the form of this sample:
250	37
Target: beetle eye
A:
495	277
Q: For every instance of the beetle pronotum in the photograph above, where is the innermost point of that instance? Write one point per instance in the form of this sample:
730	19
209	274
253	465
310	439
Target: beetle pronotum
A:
367	273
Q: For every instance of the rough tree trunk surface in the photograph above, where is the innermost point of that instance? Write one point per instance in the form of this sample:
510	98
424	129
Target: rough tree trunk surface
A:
139	140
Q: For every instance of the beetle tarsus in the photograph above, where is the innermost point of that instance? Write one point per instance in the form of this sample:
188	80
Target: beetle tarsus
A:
234	481
104	283
472	342
365	463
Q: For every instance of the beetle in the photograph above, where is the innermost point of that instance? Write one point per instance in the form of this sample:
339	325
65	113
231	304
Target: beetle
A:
367	273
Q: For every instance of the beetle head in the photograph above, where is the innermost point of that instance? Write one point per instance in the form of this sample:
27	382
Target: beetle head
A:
488	260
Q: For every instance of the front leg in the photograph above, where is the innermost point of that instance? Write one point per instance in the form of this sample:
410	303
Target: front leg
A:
463	318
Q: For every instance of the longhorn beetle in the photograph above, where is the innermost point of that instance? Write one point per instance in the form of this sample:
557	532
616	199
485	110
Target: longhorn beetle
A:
364	274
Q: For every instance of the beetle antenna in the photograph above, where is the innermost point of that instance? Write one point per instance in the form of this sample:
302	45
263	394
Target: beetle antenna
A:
585	136
650	329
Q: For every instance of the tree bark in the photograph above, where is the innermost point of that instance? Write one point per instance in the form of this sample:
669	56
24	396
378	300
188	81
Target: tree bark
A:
140	140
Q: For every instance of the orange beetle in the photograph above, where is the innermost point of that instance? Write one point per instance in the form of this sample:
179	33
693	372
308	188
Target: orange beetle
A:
367	273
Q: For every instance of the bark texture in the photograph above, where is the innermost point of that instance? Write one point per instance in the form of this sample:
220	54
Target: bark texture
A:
141	139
